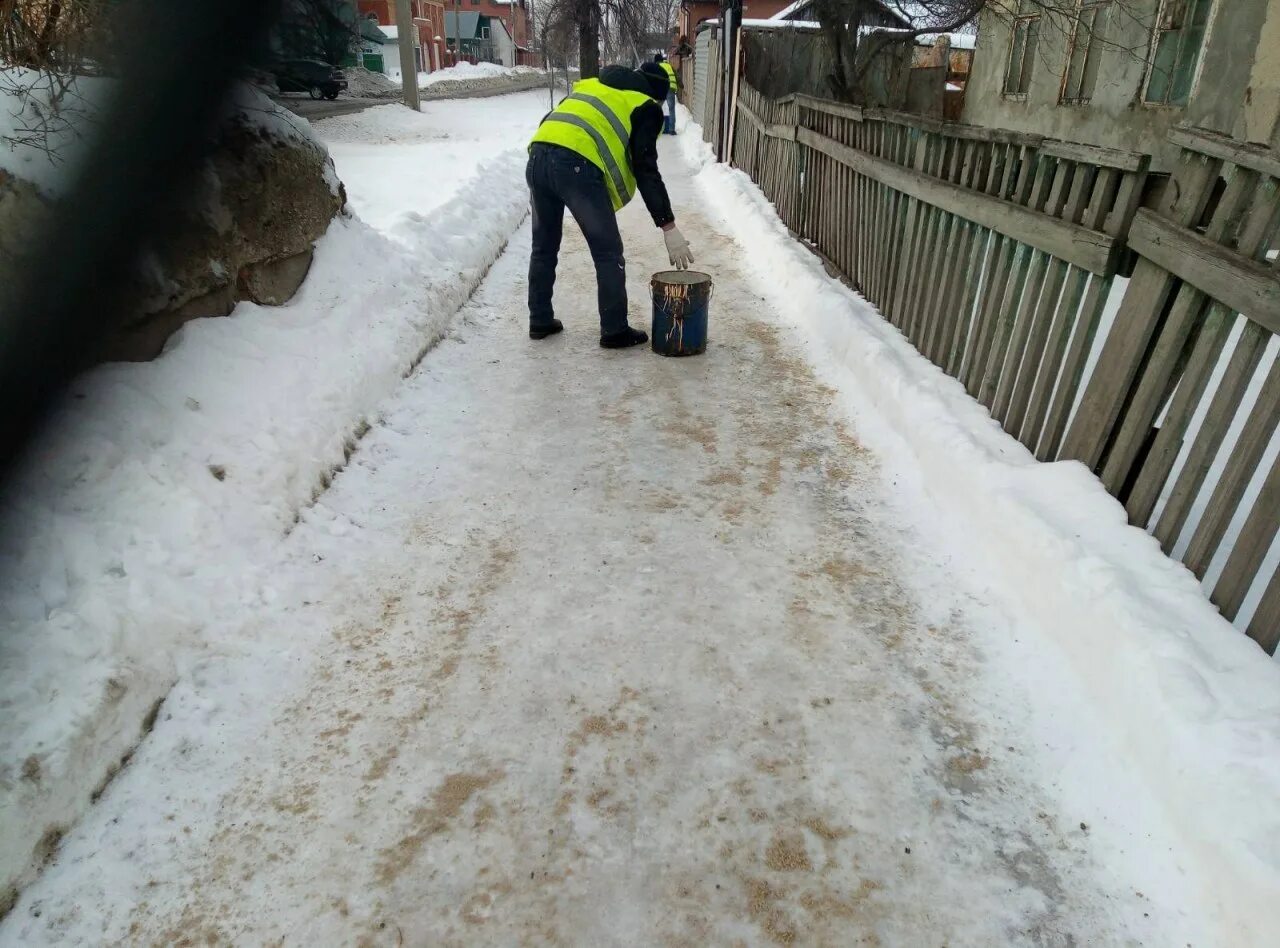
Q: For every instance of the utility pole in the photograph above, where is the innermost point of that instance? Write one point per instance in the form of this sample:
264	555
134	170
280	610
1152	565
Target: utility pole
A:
408	60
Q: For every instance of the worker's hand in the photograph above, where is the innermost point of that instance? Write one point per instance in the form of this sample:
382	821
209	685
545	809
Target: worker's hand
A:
677	248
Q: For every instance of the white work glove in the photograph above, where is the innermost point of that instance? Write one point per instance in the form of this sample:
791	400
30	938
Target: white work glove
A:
677	248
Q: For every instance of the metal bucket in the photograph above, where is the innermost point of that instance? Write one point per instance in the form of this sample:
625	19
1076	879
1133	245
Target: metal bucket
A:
681	299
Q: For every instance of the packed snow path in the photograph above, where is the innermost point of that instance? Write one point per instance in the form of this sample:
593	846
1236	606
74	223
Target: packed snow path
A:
597	648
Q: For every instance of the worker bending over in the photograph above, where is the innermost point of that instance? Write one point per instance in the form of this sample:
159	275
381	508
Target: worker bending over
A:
590	154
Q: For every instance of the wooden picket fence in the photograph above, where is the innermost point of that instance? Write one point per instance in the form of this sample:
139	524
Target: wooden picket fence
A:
1017	236
1204	261
994	252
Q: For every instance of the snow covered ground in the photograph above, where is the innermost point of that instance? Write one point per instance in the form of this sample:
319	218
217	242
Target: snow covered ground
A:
784	643
1187	704
463	72
148	515
393	153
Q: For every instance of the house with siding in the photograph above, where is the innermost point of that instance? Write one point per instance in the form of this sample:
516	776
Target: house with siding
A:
476	38
514	15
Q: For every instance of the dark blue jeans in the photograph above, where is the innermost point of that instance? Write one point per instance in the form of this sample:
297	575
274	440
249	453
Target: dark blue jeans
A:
560	178
669	120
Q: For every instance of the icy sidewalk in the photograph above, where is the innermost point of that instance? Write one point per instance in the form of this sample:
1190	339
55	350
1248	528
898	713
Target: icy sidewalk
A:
590	647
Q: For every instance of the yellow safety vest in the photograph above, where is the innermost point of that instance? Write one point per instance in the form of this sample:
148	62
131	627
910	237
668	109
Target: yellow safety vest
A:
595	121
670	70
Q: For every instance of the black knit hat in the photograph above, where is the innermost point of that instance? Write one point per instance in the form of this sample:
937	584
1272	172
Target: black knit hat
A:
659	84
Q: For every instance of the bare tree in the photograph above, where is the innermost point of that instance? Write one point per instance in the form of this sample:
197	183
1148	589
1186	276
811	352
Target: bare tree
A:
557	37
634	24
52	42
324	29
57	35
856	38
607	30
586	15
556	32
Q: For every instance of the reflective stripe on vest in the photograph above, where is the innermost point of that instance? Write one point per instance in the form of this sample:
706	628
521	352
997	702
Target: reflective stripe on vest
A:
595	121
670	70
602	147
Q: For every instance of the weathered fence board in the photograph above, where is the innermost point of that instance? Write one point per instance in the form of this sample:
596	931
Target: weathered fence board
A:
1251	548
1092	250
1136	323
1205	264
995	251
1240	283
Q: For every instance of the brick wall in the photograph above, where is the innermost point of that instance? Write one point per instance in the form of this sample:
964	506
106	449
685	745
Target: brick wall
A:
428	17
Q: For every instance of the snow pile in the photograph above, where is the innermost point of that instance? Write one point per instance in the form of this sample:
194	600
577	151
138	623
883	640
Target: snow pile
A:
467	79
365	84
1186	698
250	106
464	71
132	539
43	133
72	119
393	152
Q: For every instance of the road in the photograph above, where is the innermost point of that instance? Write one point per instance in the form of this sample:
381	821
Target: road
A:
315	109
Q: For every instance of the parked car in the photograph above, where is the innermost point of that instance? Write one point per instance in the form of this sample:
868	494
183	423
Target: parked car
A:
305	75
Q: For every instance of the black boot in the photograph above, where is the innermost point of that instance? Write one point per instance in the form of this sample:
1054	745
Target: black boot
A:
550	329
625	339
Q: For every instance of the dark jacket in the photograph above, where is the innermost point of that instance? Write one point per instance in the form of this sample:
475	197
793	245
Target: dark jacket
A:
646	126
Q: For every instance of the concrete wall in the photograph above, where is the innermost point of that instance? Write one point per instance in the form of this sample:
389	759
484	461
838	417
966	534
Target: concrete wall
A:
1233	45
1259	118
1116	117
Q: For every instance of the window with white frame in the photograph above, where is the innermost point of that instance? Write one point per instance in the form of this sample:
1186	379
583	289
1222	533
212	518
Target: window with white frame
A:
1175	51
1024	37
1088	39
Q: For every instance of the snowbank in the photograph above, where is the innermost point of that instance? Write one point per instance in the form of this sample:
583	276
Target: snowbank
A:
365	84
389	152
235	243
135	533
1188	701
29	107
464	71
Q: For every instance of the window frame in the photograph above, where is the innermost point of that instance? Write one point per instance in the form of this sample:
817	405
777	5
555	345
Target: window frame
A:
1156	35
1102	8
1026	21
